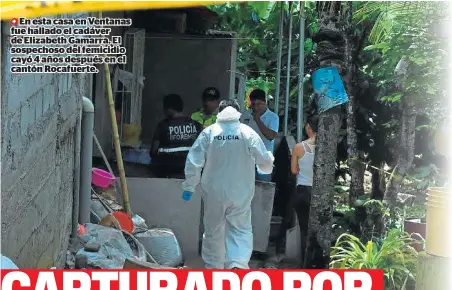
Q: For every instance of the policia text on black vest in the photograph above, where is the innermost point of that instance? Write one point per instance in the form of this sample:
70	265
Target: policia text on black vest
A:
176	136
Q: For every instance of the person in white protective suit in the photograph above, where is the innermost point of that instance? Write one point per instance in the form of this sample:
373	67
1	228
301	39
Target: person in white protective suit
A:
223	160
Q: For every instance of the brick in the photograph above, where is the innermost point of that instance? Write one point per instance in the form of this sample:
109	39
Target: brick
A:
69	125
43	136
7	166
17	234
31	222
3	113
21	87
66	157
5	130
39	104
22	209
38	241
14	129
49	96
69	81
68	105
24	190
32	108
64	223
49	241
62	84
47	193
25	117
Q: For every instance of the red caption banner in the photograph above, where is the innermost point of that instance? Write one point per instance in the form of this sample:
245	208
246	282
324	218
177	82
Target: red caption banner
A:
191	280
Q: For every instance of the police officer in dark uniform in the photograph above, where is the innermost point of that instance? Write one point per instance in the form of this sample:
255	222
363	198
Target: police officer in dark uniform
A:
173	138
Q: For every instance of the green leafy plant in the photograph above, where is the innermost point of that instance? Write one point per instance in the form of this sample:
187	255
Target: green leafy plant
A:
418	211
394	254
347	223
264	83
344	208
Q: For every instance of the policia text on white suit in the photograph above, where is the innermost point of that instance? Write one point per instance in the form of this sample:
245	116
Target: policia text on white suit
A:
223	160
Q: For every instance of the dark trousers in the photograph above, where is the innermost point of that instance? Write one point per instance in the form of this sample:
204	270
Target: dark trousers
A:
166	171
300	202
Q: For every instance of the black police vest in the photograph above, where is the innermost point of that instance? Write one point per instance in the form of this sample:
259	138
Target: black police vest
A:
177	135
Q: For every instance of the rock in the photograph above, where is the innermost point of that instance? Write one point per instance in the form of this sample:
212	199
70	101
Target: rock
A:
81	261
92	247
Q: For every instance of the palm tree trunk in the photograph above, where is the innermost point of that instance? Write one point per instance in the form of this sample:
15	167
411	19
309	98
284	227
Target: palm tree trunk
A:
330	52
355	166
321	212
407	134
377	176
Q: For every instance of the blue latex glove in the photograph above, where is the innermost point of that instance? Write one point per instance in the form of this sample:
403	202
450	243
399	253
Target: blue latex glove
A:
187	195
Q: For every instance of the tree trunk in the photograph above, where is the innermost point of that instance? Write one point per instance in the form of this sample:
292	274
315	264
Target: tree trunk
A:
355	166
405	153
377	176
330	52
321	212
373	226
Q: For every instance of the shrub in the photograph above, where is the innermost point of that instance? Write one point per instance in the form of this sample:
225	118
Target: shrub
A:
393	254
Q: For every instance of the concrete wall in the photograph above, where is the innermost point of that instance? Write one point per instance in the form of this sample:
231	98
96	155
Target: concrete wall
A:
159	202
183	65
39	115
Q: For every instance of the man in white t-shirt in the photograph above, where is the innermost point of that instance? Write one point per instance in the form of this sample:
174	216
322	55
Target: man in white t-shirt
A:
263	121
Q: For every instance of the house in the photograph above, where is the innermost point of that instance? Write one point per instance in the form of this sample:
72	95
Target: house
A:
41	115
168	51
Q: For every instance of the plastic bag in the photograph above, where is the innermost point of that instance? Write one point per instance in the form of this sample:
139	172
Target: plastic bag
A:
163	246
329	88
7	264
114	247
139	224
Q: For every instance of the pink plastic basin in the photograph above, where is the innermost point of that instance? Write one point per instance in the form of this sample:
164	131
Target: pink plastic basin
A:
102	178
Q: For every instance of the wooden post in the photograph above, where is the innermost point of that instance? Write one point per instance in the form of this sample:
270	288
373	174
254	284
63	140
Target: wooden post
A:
122	174
433	273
